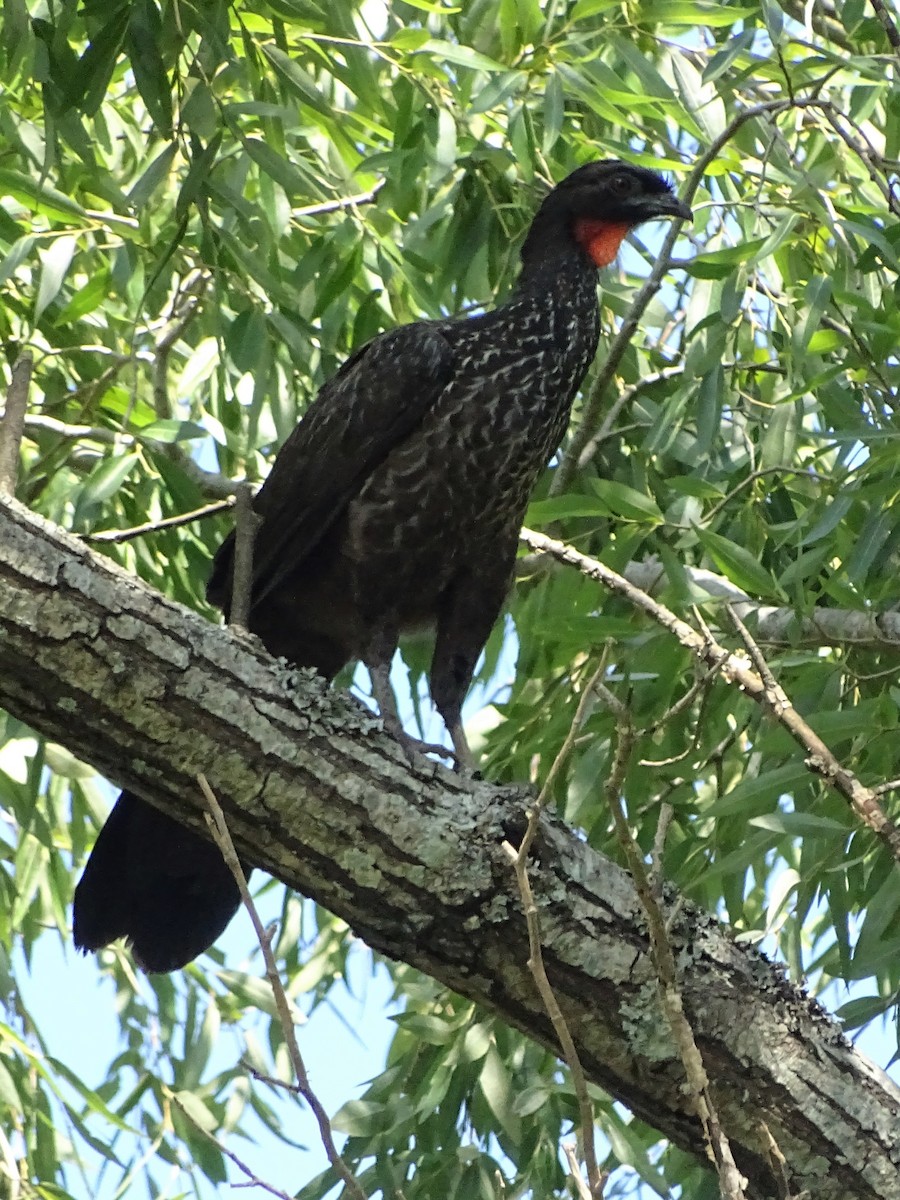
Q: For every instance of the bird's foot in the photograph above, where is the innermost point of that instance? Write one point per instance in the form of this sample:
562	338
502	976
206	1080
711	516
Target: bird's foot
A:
415	749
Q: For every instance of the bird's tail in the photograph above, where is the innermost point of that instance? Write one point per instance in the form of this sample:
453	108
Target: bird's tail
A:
159	885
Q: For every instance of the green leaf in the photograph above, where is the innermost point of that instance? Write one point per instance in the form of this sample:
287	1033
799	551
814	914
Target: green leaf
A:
153	177
738	565
298	81
169	431
461	56
86	300
800	824
719	264
106	479
559	508
143	41
756	795
39	197
626	502
55	262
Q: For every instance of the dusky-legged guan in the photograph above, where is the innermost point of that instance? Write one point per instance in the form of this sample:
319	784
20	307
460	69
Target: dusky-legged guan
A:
394	505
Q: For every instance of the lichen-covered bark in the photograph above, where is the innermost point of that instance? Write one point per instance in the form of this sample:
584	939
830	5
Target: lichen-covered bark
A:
150	694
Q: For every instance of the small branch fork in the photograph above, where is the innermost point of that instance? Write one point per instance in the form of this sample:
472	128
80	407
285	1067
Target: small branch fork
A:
863	800
220	835
253	1180
730	1180
596	1180
662	955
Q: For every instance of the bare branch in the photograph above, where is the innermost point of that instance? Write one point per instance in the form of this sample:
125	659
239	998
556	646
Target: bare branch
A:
887	24
93	433
13	425
107	536
252	1178
184	309
327	206
570	1150
731	1181
519	859
773	626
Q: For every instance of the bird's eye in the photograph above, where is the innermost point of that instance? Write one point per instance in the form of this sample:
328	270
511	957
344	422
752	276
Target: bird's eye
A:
622	184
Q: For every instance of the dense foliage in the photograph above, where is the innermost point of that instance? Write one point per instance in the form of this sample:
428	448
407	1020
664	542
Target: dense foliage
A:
205	208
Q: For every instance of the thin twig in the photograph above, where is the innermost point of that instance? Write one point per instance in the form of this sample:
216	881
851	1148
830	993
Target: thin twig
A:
327	206
700	684
221	836
628	394
93	433
519	859
253	1180
13	425
887	24
820	760
760	474
730	1180
773	687
622	400
581	1186
564	751
703	686
865	152
777	1162
126	535
666	814
184	309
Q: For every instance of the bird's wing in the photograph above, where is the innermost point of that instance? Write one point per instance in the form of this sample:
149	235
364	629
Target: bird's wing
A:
377	398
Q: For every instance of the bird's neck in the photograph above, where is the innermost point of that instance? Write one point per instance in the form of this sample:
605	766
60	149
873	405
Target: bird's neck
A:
551	254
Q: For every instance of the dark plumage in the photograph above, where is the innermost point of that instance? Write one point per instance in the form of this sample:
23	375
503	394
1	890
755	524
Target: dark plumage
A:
394	505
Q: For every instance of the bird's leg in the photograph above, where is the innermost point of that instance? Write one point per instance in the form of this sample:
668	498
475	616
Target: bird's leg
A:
465	759
380	674
469	609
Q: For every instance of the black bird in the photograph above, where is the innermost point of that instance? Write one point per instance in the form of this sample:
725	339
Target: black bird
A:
395	505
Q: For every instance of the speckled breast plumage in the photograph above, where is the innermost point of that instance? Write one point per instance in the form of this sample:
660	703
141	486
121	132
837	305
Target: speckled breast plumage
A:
456	489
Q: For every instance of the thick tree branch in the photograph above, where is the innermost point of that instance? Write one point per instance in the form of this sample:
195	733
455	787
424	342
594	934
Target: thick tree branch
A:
411	857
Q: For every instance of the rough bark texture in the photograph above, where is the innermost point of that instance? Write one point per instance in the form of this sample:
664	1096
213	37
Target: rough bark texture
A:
151	693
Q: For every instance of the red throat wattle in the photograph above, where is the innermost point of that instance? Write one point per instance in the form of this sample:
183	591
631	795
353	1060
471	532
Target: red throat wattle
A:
601	239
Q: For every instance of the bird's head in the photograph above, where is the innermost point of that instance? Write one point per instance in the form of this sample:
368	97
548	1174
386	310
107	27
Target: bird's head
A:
601	202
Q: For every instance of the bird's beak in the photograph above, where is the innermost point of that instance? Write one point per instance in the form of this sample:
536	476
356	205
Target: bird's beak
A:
665	204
